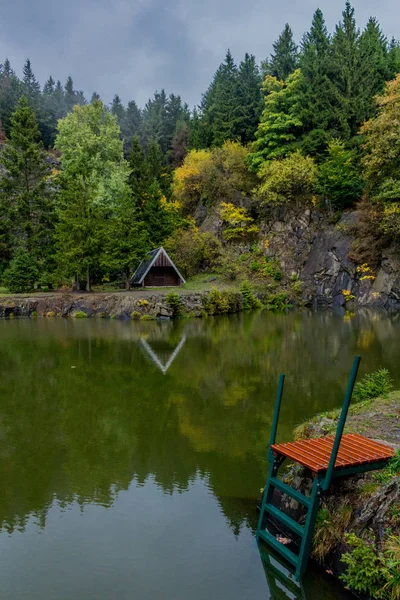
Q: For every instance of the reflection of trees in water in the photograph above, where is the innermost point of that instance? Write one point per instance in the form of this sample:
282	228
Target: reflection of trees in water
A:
86	433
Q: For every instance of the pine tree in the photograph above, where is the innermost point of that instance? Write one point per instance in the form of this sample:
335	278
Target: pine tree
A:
95	96
10	92
393	59
347	76
153	120
140	176
250	101
155	215
280	126
375	66
30	85
155	160
316	100
118	109
132	126
69	95
284	59
26	198
220	104
195	141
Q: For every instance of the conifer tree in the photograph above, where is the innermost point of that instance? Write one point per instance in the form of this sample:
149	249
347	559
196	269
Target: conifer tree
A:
27	208
10	92
132	125
316	97
30	85
140	176
393	59
220	104
69	95
280	125
284	59
375	66
346	76
118	109
196	127
250	101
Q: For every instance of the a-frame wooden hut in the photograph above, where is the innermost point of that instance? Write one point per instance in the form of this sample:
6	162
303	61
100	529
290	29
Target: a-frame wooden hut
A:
157	270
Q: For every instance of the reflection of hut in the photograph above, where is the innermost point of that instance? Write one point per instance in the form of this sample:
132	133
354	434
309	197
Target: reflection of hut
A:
162	358
157	270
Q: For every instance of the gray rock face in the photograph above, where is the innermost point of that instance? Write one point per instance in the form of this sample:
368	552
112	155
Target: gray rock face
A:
304	244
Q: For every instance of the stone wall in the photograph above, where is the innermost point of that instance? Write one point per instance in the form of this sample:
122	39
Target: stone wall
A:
119	305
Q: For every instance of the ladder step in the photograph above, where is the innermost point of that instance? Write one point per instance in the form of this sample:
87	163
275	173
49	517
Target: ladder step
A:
285	519
289	491
280	548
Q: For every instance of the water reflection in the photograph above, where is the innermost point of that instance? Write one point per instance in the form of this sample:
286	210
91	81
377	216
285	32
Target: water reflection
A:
162	357
191	414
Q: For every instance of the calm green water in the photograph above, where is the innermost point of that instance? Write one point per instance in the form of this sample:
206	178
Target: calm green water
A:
132	454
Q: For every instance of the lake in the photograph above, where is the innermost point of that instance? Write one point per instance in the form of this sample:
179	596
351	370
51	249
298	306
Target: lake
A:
132	454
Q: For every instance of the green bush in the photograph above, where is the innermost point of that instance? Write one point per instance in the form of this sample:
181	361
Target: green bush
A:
374	385
364	571
34	314
216	302
135	315
272	269
277	301
174	301
249	300
147	318
21	274
79	314
255	265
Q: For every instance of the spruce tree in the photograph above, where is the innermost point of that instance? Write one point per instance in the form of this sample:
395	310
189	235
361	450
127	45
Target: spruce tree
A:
316	97
69	95
30	85
140	176
375	66
10	92
153	120
393	58
220	104
250	101
27	207
132	125
281	124
118	109
284	59
346	76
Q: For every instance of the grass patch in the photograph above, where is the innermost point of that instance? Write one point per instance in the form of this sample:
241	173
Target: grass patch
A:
79	314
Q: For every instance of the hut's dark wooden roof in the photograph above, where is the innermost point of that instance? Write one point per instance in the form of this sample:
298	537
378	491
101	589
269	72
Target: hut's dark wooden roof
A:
149	261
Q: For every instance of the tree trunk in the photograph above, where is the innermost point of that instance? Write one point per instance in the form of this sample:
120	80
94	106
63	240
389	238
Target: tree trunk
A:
127	279
88	288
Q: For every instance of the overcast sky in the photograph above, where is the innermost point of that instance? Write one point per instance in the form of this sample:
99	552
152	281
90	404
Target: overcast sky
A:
133	47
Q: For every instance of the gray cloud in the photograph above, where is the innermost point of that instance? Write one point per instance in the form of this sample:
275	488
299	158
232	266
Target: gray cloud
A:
133	47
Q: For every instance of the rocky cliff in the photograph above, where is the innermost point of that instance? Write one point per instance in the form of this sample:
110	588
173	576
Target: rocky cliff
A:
317	252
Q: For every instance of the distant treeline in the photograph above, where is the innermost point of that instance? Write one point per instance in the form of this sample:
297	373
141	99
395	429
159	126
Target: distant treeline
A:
342	72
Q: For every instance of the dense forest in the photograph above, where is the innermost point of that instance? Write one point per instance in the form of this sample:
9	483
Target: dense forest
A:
86	189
